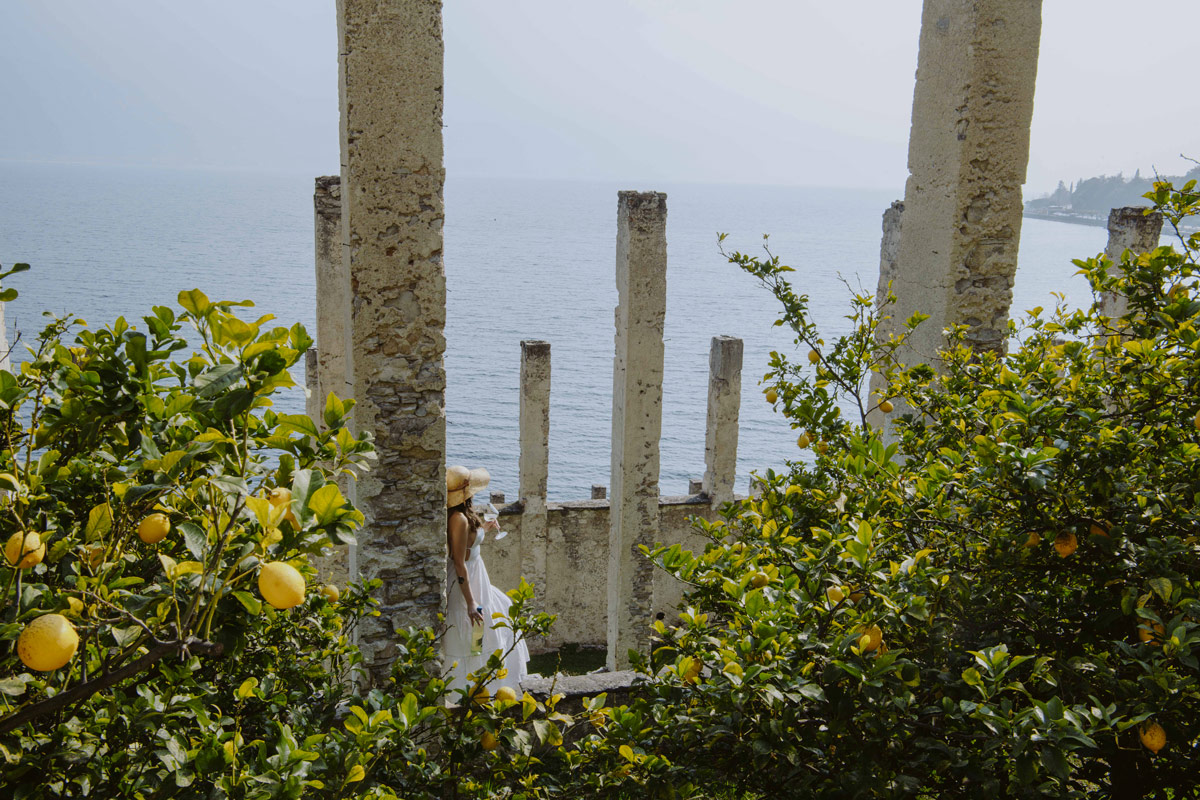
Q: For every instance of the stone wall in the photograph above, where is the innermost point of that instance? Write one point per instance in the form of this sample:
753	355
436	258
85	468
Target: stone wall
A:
576	553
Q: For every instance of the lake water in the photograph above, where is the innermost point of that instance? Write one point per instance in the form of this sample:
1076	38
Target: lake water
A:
524	260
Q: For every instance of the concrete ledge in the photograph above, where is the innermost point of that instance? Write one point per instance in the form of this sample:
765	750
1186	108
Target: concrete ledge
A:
619	687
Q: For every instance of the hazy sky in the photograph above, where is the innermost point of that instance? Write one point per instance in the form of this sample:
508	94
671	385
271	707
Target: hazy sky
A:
744	91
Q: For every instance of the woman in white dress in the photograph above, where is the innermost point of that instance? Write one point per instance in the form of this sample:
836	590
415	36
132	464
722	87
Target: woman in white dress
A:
471	599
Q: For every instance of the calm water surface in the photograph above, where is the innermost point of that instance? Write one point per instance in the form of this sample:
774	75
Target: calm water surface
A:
524	260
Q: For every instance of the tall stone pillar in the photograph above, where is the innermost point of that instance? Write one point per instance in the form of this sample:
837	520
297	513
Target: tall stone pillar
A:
533	465
721	431
967	155
636	418
333	291
390	76
1129	228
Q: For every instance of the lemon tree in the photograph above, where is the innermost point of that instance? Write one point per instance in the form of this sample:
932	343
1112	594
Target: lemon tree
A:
142	469
999	596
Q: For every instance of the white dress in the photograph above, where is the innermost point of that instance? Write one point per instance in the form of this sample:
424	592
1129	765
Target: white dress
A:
456	644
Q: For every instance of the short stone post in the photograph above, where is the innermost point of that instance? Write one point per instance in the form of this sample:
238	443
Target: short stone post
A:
636	418
721	431
1129	228
333	292
967	155
390	92
533	465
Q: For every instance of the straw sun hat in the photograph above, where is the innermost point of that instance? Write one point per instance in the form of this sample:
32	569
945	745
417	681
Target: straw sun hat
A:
462	483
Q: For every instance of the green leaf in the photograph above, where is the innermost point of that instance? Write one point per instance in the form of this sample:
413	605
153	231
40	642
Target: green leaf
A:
99	522
300	423
195	301
326	502
1162	587
217	379
194	538
357	773
13	687
409	709
246	690
249	601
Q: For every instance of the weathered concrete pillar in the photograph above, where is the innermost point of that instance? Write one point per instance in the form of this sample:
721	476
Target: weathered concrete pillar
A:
390	59
889	250
1129	228
968	151
636	417
721	431
533	466
5	361
313	404
333	290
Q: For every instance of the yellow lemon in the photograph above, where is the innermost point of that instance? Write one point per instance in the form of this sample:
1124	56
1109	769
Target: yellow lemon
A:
772	395
280	496
871	638
24	550
813	356
1034	539
281	584
822	448
1065	544
1146	636
489	741
47	643
331	593
1153	737
505	694
290	517
835	594
887	407
856	597
481	696
1098	529
760	580
154	528
803	441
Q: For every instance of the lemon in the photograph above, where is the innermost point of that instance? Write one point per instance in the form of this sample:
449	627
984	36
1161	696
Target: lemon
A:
1098	529
489	741
331	593
280	496
871	638
24	550
813	356
281	584
1146	636
772	395
481	696
822	448
887	407
1034	539
803	441
47	643
1153	737
154	528
856	597
835	594
760	580
505	694
1065	544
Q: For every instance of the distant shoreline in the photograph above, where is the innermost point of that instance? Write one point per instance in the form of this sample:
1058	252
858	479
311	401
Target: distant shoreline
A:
1093	220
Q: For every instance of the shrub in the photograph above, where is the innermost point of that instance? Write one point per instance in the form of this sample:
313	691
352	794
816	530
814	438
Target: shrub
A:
997	597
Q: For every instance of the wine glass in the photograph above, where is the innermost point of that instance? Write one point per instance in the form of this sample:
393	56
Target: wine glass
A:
491	514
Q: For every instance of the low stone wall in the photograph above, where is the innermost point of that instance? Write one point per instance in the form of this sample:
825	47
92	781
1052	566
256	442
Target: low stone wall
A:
576	584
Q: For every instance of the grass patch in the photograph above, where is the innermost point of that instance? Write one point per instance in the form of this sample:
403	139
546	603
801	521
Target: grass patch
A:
571	659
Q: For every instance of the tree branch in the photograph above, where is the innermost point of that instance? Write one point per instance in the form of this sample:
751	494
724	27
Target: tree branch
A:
85	690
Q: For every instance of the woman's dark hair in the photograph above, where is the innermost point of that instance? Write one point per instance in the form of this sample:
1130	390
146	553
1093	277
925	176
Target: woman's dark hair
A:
473	519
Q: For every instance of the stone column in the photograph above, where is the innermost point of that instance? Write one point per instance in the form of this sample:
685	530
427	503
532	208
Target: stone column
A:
1129	228
333	291
390	82
5	361
889	252
968	151
721	431
534	463
636	418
